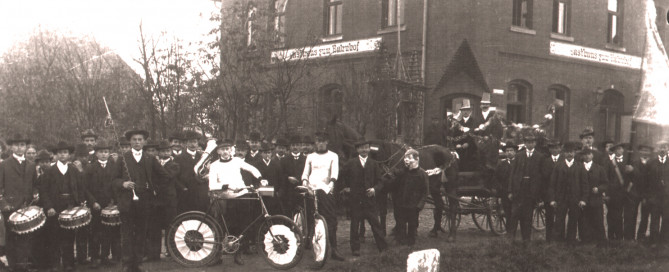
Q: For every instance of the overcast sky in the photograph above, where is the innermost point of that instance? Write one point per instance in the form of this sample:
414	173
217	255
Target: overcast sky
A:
115	24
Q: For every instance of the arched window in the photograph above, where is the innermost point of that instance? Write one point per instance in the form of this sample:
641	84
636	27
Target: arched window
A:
518	96
561	119
331	101
610	114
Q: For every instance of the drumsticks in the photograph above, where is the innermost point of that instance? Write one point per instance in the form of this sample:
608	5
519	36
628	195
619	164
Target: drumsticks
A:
110	122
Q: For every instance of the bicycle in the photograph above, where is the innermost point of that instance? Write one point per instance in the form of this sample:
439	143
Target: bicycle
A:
196	239
320	242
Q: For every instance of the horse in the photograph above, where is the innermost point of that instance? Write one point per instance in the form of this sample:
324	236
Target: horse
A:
341	139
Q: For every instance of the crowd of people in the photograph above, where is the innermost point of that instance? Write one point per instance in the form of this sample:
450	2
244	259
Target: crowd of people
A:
150	182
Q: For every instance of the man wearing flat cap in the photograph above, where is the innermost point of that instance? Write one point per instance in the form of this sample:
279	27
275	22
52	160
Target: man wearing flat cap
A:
17	176
321	171
642	166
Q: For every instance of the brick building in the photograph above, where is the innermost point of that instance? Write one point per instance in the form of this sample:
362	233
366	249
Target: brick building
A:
528	53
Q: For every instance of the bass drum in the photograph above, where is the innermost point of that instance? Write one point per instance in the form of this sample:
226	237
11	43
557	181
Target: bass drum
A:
194	239
280	242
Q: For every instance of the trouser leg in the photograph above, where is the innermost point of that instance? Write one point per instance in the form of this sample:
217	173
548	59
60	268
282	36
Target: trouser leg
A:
154	235
95	242
82	236
614	218
401	215
516	211
643	224
655	216
373	219
356	218
549	217
574	214
412	225
527	211
435	193
560	220
66	244
630	213
327	208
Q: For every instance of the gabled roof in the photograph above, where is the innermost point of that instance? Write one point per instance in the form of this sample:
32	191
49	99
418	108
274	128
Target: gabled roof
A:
463	61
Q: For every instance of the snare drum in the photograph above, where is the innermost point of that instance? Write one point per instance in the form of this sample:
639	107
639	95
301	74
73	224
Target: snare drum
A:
111	216
75	218
27	220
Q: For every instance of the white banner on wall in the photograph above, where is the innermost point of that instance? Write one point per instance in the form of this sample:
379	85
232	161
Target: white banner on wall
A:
327	50
594	55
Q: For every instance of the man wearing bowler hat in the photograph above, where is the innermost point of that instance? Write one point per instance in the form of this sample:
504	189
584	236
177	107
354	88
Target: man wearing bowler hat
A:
176	143
501	178
17	176
568	192
270	168
591	224
254	141
136	185
525	187
622	204
553	158
292	166
587	137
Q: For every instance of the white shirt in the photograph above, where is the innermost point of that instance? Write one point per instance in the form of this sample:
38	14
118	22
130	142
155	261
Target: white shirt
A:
619	159
555	157
464	119
253	153
21	159
587	165
137	154
191	153
529	153
103	163
569	163
91	152
485	114
612	157
176	152
267	162
295	156
222	173
362	160
662	158
62	167
643	160
319	169
163	162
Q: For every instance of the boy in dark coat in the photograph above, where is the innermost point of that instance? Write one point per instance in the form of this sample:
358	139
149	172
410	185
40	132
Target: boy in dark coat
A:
591	224
17	177
501	178
270	168
623	202
164	208
61	191
195	193
292	166
568	192
362	178
410	189
98	177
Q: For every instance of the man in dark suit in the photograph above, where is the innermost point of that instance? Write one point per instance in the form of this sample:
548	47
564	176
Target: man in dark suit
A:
176	143
280	149
490	125
501	178
17	177
164	209
524	188
591	224
292	166
254	141
568	193
641	165
194	195
550	162
465	146
362	177
98	178
623	200
40	250
657	191
62	191
138	176
270	169
587	137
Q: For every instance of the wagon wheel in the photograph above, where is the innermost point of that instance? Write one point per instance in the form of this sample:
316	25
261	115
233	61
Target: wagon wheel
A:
497	218
479	217
447	217
539	219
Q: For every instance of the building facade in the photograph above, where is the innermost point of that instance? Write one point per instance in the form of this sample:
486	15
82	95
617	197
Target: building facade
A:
584	56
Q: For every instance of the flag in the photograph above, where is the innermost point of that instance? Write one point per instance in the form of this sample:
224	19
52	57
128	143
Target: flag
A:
653	106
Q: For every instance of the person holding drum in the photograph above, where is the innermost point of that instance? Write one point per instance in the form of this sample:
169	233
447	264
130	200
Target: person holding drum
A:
99	175
135	186
17	176
60	192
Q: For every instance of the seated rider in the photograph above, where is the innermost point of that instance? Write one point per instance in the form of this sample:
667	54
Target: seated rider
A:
225	182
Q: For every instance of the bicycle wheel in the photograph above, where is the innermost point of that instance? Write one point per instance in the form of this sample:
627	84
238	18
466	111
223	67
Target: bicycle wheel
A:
320	242
280	242
193	239
497	220
539	219
299	220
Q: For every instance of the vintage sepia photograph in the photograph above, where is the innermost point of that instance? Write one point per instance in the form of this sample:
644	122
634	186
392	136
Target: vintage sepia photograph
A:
334	135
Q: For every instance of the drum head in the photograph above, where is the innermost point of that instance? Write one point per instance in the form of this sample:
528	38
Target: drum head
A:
24	214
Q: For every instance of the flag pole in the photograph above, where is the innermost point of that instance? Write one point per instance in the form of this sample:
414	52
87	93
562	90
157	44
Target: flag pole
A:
634	125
